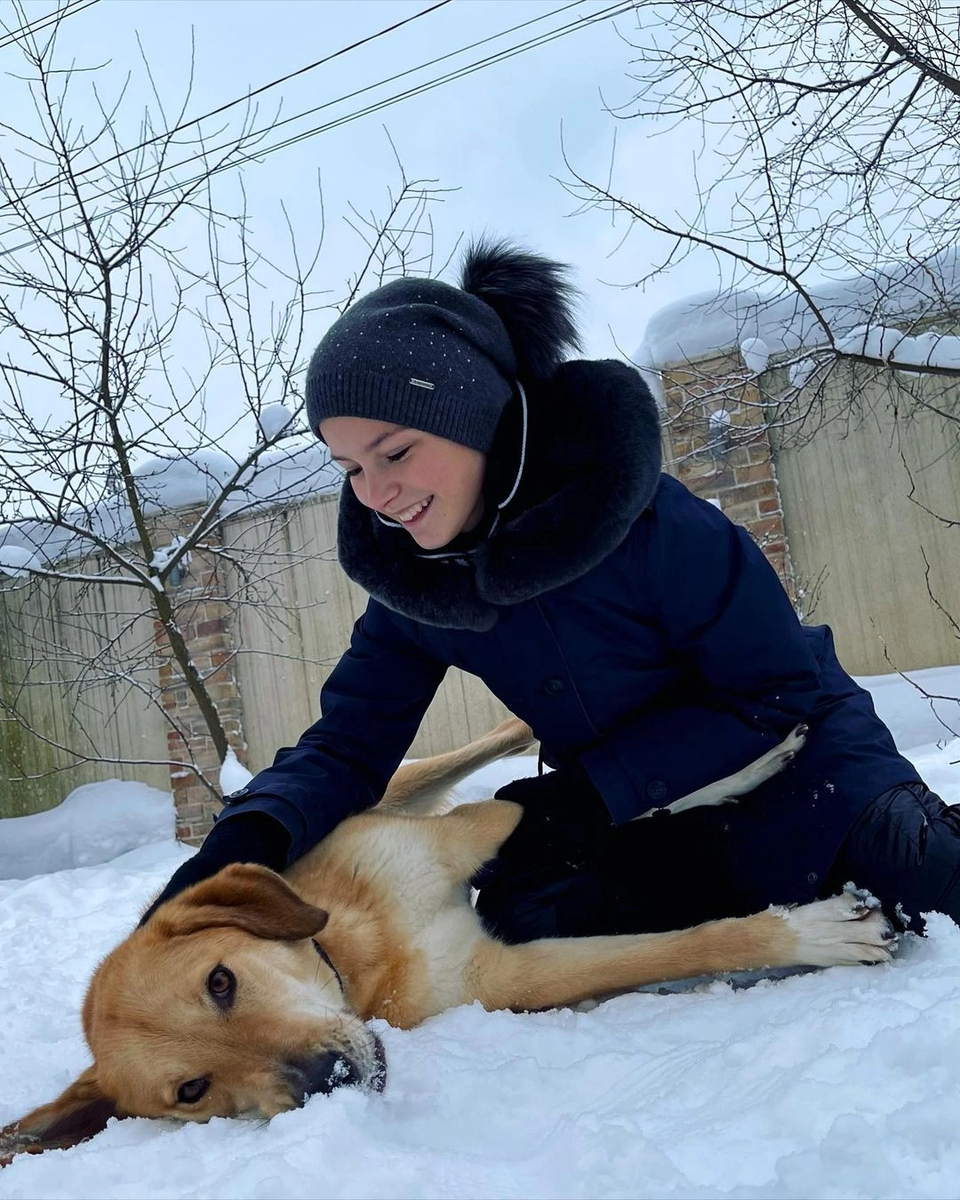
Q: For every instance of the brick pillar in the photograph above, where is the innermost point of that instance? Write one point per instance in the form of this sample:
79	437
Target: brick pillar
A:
204	620
731	460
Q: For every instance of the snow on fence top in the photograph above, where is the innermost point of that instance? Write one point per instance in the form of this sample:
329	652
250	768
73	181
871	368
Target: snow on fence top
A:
284	475
859	312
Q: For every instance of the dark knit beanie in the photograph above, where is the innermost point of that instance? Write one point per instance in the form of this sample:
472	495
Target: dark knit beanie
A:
426	355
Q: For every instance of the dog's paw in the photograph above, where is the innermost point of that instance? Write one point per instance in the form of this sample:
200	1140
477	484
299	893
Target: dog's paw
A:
776	759
793	743
846	929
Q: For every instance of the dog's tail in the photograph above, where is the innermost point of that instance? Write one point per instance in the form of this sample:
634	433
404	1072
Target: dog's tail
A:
422	787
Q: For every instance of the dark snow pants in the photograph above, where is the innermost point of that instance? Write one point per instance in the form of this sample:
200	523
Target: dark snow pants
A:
567	872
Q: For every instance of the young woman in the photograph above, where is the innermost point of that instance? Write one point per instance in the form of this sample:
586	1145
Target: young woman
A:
505	511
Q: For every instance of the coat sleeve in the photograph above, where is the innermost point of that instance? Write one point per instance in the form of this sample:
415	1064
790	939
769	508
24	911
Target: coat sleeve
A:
750	674
371	705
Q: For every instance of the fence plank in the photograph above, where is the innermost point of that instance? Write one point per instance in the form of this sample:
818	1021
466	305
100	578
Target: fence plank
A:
53	637
847	512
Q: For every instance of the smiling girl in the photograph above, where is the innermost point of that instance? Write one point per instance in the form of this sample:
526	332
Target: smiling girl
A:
505	510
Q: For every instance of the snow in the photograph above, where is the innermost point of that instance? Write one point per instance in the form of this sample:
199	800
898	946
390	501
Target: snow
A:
94	824
755	354
911	717
931	349
176	482
282	475
860	312
938	350
801	371
164	554
233	774
17	561
719	423
840	1083
274	419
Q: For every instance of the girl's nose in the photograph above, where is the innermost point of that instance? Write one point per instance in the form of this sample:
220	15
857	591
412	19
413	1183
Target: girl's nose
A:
381	493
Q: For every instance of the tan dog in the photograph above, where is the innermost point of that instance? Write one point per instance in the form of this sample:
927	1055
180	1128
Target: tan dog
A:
248	993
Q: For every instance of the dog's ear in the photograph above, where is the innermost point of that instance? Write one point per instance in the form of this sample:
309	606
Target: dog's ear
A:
80	1112
246	897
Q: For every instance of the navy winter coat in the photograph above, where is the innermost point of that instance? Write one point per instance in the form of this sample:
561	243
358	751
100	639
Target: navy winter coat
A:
629	623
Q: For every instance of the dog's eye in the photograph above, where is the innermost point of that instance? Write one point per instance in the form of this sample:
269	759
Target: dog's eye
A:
192	1091
221	984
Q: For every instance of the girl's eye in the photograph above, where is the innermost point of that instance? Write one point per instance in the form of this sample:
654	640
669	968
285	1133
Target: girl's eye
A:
353	471
399	455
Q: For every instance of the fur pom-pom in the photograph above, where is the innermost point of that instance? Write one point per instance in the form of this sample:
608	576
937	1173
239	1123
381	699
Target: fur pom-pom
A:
532	296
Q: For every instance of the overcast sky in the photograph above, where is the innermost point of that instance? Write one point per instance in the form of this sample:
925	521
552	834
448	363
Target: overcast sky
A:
495	138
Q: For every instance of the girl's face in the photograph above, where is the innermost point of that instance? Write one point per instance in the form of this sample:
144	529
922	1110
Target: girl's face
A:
431	486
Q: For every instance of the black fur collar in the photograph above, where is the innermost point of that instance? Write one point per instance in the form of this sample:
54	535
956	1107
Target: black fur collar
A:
592	466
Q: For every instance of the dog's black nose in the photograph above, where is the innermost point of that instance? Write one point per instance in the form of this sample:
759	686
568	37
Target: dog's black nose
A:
323	1073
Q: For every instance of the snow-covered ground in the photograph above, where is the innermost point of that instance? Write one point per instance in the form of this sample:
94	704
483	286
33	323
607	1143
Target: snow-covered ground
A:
843	1083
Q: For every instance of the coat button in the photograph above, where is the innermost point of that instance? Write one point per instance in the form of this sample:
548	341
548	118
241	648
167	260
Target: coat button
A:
812	877
553	686
656	789
237	795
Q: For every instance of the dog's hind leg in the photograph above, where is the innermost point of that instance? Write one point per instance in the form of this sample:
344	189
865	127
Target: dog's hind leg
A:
560	971
422	787
728	790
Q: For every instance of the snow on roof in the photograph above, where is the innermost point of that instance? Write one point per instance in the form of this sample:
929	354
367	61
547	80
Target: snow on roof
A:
287	474
18	561
768	323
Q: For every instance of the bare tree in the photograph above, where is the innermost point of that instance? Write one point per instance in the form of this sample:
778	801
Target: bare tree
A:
827	175
825	186
149	367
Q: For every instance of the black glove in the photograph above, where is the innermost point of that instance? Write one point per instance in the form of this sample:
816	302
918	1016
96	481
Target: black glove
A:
564	819
247	838
552	850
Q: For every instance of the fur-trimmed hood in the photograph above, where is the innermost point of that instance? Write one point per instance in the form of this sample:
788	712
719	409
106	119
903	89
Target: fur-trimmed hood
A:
590	466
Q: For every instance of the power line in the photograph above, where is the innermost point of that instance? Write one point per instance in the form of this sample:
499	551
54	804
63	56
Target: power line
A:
613	10
244	99
609	13
338	100
306	113
44	22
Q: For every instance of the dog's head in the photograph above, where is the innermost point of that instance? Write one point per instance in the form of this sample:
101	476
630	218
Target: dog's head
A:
222	1004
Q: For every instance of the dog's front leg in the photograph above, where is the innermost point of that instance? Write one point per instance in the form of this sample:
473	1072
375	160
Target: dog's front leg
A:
558	971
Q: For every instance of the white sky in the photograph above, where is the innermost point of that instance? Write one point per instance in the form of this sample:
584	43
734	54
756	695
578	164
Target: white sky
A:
495	136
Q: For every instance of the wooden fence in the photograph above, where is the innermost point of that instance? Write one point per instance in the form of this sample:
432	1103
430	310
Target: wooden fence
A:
288	648
837	509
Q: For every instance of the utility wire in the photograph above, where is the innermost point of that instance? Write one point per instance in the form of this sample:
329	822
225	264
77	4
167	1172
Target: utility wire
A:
613	10
244	99
44	22
609	13
302	115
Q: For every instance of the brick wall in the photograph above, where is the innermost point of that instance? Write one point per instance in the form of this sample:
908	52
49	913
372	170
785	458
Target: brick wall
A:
717	442
204	619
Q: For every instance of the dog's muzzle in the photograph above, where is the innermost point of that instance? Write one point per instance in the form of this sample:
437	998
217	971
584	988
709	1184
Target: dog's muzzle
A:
331	1069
